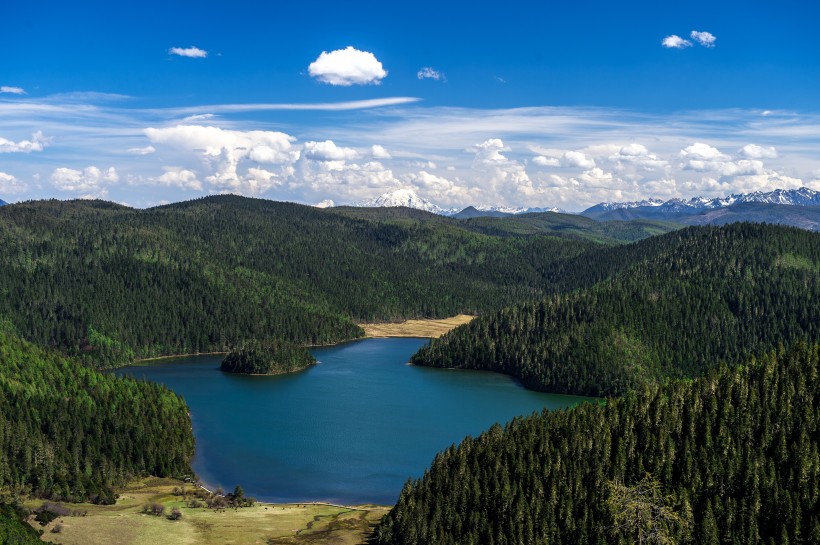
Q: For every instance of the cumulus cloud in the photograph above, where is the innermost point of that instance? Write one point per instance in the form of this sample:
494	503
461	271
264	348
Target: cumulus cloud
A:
702	152
577	159
10	184
351	182
706	39
12	90
38	142
674	41
439	188
223	150
192	52
89	179
430	73
147	150
378	152
179	177
498	175
328	151
569	159
347	67
753	151
637	156
544	161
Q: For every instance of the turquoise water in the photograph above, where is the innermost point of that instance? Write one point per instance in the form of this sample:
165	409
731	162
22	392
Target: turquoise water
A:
351	429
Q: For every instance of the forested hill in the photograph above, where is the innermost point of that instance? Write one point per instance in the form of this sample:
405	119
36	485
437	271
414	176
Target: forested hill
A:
670	306
68	432
735	457
108	283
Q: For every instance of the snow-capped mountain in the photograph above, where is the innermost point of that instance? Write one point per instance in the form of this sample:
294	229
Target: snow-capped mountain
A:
515	210
794	197
402	197
605	206
410	199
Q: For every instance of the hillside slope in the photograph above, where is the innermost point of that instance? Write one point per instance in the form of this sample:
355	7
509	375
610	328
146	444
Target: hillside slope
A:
68	432
671	306
108	283
737	451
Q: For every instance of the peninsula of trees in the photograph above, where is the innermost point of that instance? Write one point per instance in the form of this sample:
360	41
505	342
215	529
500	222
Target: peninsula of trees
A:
267	358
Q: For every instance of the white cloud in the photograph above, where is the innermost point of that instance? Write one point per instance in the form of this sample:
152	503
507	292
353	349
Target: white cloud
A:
430	73
10	184
706	39
702	152
596	176
543	161
438	188
328	151
197	117
741	168
753	151
327	203
577	159
379	152
675	42
222	151
560	158
192	52
147	150
179	177
347	67
497	175
262	146
89	179
12	90
38	142
638	157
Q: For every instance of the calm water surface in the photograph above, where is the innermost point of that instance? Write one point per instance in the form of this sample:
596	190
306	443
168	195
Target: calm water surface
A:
351	429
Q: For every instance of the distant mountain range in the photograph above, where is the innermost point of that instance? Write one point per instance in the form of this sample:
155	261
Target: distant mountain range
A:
2	202
797	207
408	198
792	197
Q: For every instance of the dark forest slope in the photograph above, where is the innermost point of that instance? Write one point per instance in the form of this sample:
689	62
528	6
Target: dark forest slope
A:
670	306
109	283
738	449
68	432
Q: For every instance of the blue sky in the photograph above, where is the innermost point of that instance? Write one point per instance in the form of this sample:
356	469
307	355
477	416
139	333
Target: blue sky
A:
516	103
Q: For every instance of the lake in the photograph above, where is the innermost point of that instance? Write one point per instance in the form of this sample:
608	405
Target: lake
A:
351	429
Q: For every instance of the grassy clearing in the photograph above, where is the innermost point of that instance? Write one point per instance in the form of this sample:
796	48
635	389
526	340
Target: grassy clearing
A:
416	328
125	524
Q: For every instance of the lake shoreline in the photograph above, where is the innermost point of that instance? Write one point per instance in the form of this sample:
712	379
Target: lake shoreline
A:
425	328
125	522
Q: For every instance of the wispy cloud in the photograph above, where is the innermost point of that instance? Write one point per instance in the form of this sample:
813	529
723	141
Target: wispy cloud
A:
296	106
191	52
349	66
428	72
12	90
706	39
548	156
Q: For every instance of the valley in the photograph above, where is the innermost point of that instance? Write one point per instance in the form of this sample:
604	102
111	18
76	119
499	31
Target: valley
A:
652	317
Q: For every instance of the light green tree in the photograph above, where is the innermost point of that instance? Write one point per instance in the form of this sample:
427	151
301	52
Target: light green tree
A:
645	514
